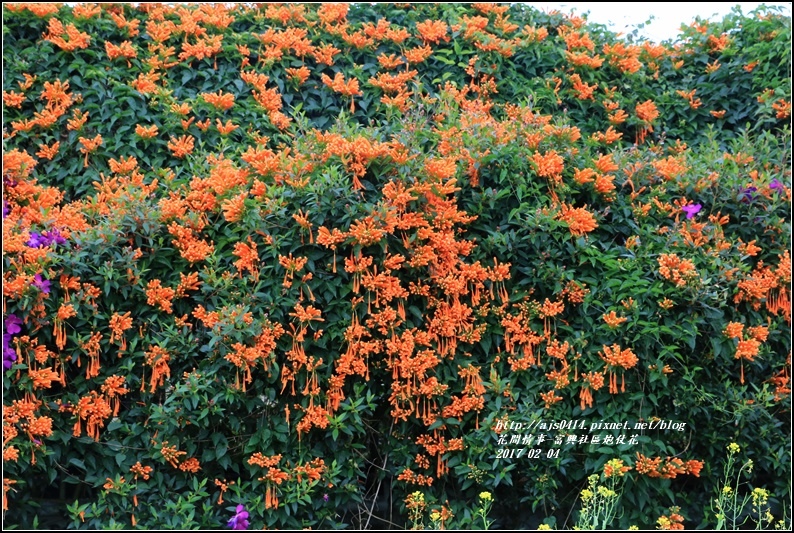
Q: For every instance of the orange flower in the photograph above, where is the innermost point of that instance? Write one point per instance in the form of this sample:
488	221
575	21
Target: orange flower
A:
118	325
583	90
579	220
549	165
618	117
191	465
718	114
248	257
747	349
718	44
418	54
432	31
48	152
76	39
77	121
146	83
550	398
160	296
733	330
225	129
300	75
675	269
157	357
125	50
346	88
13	99
647	111
389	62
613	320
182	146
89	145
783	109
671	167
113	388
712	67
220	100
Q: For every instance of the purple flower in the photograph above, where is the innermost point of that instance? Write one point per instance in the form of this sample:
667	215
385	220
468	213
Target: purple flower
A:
42	284
13	324
6	208
748	194
37	240
240	519
9	354
54	236
691	210
325	497
776	185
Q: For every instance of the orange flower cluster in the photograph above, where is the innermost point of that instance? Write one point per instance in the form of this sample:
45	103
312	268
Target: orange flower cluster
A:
75	39
677	270
171	454
157	358
613	320
157	295
89	145
624	58
125	50
247	257
220	100
614	357
592	382
189	246
432	31
94	409
670	168
783	109
671	468
580	221
118	325
615	468
583	90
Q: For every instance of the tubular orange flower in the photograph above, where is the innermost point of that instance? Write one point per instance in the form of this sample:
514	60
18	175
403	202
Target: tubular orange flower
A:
157	295
549	165
432	31
118	325
48	152
613	320
76	39
647	111
220	100
182	146
733	330
580	221
300	75
675	269
13	99
157	357
77	121
89	145
783	109
248	257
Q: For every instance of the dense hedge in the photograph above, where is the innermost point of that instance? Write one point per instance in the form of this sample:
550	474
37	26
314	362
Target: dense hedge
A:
311	258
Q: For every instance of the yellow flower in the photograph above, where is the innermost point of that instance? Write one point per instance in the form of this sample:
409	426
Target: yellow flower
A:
485	496
544	527
587	494
727	490
734	448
